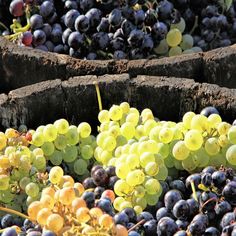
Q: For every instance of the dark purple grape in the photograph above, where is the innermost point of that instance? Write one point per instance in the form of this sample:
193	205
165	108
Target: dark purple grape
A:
212	231
159	30
94	15
69	5
229	192
56	36
103	25
105	204
82	23
59	49
27	38
206	179
36	21
121	218
150	227
39	37
114	17
46	9
50	46
92	56
17	8
182	224
47	29
164	9
89	198
171	197
131	214
88	183
227	219
66	35
98	192
111	171
100	177
219	179
100	40
119	55
42	48
207	111
193	206
76	40
166	226
181	209
70	18
9	232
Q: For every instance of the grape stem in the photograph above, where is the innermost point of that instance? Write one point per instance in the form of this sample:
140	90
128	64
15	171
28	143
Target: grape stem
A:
209	200
135	226
3	26
98	95
11	211
194	26
194	191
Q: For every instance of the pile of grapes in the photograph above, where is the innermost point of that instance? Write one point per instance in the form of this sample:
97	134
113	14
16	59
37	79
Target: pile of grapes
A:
122	29
137	176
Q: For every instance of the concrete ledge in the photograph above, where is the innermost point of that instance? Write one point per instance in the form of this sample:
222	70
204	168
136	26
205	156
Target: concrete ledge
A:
75	99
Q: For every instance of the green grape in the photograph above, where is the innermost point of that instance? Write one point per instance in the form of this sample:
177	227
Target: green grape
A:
38	151
132	161
48	148
80	166
139	191
149	125
153	186
109	143
32	190
125	204
180	151
115	113
211	146
87	152
154	133
122	170
187	42
146	158
193	140
56	158
164	149
60	142
62	126
142	202
128	130
151	169
159	160
231	155
121	188
84	129
72	135
232	134
173	37
189	164
101	137
103	116
196	49
50	133
178	164
162	47
152	199
200	157
175	51
105	157
38	139
24	181
187	118
4	182
199	122
117	203
39	162
70	153
188	51
180	25
217	161
29	200
120	140
169	161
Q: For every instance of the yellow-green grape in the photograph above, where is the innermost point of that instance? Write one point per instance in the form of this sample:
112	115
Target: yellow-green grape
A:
199	122
140	131
180	151
149	125
38	139
125	204
138	209
132	178
86	152
134	148
40	128
72	135
189	164
140	202
162	173
109	143
115	113
70	153
163	149
152	186
134	110
84	129
120	140
62	126
217	161
112	162
103	116
151	169
132	161
193	140
212	146
104	127
232	134
117	203
140	175
23	182
173	37
162	47
214	120
154	133
60	142
4	182
8	150
223	140
121	188
122	170
166	135
128	130
178	164
56	158
132	118
125	149
223	128
201	157
125	107
146	115
175	51
50	133
180	25
39	162
32	190
152	146
231	155
114	131
187	118
187	42
139	191
145	158
48	148
152	199
105	157
101	137
56	174
38	151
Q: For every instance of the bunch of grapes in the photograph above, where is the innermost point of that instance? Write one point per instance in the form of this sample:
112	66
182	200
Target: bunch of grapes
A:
65	208
123	29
